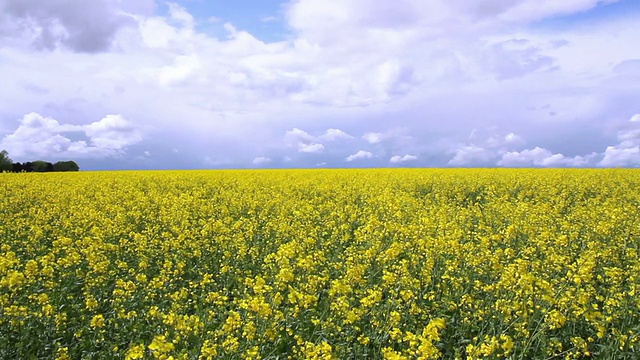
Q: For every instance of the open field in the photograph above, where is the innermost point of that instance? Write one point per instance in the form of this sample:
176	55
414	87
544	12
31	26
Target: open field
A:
320	264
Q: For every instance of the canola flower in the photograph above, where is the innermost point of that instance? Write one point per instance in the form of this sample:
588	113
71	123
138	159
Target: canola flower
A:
320	264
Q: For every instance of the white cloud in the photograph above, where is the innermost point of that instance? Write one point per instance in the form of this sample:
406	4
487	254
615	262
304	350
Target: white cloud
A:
627	151
374	137
311	148
307	143
397	159
396	135
499	141
360	155
261	160
335	134
298	135
303	141
471	155
81	26
542	157
180	71
486	148
181	15
617	156
39	136
113	132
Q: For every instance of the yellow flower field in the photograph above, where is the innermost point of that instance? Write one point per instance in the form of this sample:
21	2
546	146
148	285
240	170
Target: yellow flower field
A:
320	264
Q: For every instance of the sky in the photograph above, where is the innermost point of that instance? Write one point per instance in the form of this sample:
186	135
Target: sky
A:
195	84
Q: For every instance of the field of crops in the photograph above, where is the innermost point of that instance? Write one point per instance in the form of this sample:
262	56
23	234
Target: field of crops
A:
324	264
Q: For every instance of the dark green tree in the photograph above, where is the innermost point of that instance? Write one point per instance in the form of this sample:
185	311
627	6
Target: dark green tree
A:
42	166
66	166
6	164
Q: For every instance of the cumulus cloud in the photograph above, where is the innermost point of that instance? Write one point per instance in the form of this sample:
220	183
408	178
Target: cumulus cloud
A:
397	159
502	150
627	151
472	155
307	143
80	26
311	148
374	137
360	155
335	134
113	132
303	141
39	136
438	18
395	135
261	160
485	148
298	135
621	156
542	157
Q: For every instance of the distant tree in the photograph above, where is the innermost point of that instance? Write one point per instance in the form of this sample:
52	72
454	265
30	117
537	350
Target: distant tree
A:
66	166
6	164
42	166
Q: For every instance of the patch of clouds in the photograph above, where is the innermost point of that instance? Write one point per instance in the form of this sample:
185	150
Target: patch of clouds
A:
183	68
87	27
374	137
299	136
498	141
112	132
395	135
307	143
616	156
505	151
39	136
303	141
485	148
261	160
515	58
311	148
542	157
360	155
335	134
472	155
397	159
627	152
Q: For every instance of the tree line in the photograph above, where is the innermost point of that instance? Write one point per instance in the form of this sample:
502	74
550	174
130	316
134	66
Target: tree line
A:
7	165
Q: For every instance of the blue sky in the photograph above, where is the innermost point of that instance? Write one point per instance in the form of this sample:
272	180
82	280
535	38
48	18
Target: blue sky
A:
263	19
145	84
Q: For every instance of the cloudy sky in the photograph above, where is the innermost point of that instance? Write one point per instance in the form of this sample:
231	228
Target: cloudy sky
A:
145	84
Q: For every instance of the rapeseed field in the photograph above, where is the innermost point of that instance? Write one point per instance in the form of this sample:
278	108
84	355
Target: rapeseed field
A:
320	264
